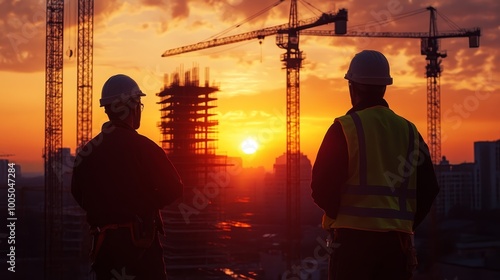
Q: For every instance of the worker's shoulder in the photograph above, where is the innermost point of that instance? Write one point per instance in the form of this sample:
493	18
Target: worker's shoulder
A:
413	126
408	121
130	137
338	120
145	142
335	129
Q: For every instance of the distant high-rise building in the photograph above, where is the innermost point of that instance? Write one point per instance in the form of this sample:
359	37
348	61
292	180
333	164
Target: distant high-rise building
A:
18	171
276	193
487	174
3	172
456	183
75	236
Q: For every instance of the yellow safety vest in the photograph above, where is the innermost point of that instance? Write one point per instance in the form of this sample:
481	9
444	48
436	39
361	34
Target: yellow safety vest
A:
380	192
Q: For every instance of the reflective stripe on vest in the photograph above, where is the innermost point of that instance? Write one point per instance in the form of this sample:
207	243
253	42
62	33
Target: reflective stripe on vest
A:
380	193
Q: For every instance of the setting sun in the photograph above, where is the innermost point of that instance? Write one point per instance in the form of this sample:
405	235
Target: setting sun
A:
249	146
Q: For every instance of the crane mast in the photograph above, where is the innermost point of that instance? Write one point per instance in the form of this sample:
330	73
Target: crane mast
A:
84	72
53	138
52	153
430	48
292	60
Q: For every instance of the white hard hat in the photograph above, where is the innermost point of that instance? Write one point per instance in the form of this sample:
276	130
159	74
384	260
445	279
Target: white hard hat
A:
119	88
370	68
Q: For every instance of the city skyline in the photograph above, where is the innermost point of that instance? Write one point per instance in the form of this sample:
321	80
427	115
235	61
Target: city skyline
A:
31	173
253	213
252	98
241	160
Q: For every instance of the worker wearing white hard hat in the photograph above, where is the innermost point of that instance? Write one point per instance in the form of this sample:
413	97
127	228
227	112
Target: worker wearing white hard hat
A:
121	179
370	68
374	179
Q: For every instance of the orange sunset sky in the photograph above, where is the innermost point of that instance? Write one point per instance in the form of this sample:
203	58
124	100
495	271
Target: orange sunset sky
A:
130	36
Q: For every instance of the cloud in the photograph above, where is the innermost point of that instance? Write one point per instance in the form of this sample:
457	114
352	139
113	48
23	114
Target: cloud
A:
462	62
22	35
253	117
22	26
230	11
22	32
178	9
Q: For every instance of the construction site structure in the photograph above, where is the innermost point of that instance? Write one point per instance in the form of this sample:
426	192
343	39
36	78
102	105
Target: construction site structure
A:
85	63
287	38
53	138
189	135
53	150
430	47
187	126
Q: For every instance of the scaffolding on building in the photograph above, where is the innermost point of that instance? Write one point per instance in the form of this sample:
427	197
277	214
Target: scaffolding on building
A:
188	129
194	237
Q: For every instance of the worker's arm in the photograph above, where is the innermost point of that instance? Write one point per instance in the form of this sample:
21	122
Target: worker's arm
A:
330	171
164	180
76	188
175	186
427	185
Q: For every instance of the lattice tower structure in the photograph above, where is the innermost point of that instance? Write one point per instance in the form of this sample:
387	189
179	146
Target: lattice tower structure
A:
85	58
53	138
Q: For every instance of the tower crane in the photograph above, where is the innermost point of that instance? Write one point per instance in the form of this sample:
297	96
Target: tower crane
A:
287	37
53	138
52	153
84	72
433	69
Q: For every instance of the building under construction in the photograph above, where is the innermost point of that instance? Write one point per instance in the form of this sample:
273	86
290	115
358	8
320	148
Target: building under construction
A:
193	228
188	128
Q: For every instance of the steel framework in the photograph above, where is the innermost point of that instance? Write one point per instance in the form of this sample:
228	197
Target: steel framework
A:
53	138
85	72
292	60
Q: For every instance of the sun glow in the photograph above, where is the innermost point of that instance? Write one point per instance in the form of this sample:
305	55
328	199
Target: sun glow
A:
249	146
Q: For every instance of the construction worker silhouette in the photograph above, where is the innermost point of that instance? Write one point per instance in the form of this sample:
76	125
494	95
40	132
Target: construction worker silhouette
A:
121	179
374	179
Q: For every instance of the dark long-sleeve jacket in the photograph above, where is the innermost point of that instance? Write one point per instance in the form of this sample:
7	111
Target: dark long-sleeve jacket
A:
120	174
330	171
